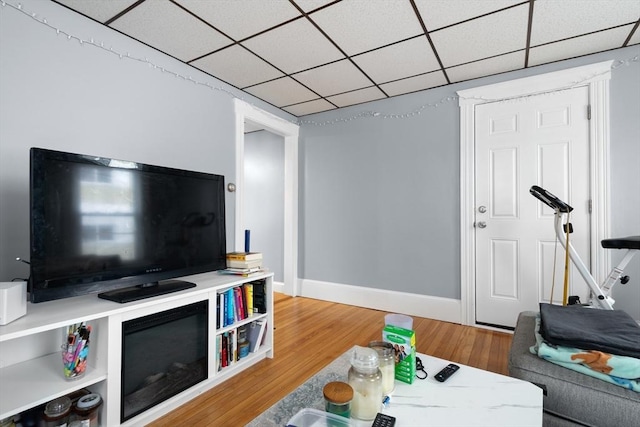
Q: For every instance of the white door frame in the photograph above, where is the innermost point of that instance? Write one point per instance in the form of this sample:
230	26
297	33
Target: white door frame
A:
247	112
596	77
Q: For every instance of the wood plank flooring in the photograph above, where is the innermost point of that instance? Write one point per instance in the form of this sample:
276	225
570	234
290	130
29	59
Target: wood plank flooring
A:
309	335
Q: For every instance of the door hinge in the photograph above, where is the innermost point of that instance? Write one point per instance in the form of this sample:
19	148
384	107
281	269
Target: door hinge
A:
588	112
590	205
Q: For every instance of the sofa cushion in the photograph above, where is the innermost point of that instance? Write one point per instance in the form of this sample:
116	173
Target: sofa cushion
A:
568	393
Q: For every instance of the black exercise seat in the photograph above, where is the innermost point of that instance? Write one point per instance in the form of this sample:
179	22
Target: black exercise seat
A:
631	242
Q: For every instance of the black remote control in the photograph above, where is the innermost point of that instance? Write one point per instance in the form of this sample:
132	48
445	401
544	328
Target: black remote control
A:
384	420
446	372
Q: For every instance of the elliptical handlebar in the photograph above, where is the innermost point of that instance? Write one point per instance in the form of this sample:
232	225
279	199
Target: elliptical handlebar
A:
549	199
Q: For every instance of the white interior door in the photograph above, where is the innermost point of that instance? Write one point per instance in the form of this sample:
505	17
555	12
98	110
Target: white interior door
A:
536	140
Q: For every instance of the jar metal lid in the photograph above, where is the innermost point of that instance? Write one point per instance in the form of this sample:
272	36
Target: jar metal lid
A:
338	392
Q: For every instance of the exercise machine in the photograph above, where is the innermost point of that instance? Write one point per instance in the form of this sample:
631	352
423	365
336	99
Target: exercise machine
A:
600	294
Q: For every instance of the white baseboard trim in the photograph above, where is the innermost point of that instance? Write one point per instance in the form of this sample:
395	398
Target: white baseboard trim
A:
445	309
278	287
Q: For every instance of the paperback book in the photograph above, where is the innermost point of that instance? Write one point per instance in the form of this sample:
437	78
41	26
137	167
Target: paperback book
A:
244	256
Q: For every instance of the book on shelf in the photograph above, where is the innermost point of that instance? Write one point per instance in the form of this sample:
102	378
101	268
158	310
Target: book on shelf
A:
243	301
255	334
243	270
236	272
224	355
239	304
233	349
247	288
244	256
244	264
230	317
221	312
259	296
218	324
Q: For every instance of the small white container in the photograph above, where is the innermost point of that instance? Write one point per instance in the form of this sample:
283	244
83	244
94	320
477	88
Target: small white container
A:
309	417
399	320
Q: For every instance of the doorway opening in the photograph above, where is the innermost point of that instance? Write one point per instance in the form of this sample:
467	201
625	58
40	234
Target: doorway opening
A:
249	115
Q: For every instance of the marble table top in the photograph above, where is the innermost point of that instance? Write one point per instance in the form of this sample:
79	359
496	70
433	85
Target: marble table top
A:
471	397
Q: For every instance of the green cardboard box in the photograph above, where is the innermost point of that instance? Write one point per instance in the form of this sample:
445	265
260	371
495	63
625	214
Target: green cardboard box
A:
404	344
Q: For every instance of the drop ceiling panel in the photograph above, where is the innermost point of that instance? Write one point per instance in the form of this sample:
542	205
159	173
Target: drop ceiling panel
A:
99	10
310	5
397	61
357	97
281	92
307	56
358	26
440	13
294	47
334	78
414	84
555	20
172	30
309	107
237	66
579	46
486	67
241	19
494	34
635	39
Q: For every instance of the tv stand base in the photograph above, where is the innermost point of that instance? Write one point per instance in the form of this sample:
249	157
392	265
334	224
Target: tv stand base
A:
135	293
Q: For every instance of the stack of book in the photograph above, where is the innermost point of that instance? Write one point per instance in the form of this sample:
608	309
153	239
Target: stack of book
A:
244	264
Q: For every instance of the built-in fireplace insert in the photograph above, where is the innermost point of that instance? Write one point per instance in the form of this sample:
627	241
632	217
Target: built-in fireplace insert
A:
162	355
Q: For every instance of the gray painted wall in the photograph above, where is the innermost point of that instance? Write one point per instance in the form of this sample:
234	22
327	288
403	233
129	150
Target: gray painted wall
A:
380	196
264	197
58	94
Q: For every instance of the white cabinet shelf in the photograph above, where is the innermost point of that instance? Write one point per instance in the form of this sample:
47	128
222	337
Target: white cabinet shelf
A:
242	322
36	381
31	369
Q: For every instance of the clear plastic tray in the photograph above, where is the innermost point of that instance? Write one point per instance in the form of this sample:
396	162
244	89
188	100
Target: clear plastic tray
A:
309	417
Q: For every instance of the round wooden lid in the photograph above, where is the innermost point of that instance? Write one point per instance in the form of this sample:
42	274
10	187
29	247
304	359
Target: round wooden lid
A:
338	392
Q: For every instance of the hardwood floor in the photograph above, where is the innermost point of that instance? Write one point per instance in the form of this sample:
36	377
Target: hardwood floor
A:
309	335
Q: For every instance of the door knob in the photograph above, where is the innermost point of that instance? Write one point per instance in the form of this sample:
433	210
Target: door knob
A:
481	224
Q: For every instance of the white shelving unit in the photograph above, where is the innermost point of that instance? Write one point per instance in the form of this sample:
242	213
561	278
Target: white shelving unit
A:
31	362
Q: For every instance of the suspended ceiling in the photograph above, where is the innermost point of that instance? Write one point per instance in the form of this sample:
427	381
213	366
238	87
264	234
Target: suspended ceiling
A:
307	56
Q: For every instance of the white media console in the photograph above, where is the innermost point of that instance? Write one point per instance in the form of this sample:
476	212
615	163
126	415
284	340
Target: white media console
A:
31	369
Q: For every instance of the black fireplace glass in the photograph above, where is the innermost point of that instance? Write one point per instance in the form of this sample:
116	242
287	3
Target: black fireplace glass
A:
163	354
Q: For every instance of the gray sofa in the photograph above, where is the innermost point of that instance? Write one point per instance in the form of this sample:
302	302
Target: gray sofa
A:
571	398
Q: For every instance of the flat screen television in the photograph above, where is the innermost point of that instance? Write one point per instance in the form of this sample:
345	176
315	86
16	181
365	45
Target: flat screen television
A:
120	228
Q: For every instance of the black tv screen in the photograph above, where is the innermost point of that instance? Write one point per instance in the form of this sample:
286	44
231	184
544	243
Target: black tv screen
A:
100	224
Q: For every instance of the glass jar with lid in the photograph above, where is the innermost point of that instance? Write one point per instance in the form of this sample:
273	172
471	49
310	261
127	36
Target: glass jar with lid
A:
56	413
87	410
387	361
337	397
366	380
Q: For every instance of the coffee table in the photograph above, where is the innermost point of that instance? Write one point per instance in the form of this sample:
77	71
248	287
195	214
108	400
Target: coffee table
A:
471	397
